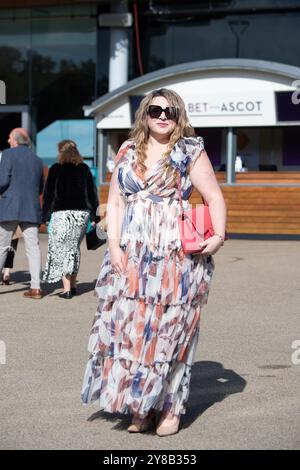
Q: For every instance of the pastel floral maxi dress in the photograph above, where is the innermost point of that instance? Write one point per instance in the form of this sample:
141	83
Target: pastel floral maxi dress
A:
146	328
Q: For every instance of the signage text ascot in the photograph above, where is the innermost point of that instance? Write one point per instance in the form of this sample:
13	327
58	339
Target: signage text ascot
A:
225	107
208	109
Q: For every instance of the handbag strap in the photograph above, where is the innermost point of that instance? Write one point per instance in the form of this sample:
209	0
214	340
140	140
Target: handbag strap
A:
179	192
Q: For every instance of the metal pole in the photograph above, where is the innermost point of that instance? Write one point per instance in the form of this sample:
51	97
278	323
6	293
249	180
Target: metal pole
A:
95	144
102	154
30	78
26	121
231	154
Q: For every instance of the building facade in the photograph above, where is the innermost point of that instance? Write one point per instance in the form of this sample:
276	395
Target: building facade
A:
238	105
77	69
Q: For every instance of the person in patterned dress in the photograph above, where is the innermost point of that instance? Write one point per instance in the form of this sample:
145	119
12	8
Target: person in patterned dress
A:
146	327
70	199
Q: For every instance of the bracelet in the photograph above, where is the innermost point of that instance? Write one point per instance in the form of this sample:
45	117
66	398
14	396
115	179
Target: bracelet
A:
221	238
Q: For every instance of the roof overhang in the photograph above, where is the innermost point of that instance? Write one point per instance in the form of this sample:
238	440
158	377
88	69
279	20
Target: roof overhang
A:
237	74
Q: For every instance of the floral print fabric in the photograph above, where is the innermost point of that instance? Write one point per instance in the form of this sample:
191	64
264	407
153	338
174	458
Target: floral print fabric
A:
146	328
67	231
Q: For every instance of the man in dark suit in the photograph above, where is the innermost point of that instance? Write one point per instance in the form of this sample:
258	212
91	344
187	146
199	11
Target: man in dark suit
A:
21	183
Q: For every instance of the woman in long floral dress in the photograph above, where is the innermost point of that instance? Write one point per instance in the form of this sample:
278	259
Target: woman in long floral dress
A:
146	328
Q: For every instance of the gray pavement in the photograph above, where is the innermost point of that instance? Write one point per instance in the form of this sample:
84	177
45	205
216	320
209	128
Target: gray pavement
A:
245	387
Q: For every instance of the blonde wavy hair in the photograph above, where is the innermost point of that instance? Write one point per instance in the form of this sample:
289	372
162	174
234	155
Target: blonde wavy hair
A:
140	130
68	153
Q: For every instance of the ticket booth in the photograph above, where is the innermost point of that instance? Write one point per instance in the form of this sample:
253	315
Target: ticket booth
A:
242	108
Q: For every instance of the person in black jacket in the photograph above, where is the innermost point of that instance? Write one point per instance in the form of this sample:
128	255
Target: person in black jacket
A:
69	200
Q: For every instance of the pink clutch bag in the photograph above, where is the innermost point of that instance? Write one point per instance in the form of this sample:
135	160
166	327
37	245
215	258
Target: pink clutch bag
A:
195	225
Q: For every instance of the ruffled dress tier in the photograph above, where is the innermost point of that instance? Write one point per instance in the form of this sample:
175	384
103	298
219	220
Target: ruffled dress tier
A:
146	328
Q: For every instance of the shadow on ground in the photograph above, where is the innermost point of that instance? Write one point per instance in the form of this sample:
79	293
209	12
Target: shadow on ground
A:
17	278
210	384
82	288
23	278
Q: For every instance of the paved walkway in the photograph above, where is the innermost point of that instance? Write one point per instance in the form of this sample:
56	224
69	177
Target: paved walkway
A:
245	387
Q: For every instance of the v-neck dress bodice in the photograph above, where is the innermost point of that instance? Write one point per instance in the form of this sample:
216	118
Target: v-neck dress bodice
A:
157	182
152	202
146	328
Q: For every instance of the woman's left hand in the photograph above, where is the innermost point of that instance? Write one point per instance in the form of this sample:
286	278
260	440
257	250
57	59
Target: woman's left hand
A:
211	245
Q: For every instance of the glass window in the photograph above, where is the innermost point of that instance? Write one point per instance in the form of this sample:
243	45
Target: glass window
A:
290	147
63	63
48	60
213	144
79	130
8	121
167	41
14	53
260	149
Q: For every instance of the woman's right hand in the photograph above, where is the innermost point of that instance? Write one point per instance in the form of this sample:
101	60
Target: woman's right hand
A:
117	259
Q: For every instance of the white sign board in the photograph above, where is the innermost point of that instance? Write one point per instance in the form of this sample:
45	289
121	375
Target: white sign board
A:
255	108
231	109
117	118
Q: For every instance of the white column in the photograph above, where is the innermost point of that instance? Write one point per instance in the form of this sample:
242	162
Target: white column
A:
26	121
231	154
119	45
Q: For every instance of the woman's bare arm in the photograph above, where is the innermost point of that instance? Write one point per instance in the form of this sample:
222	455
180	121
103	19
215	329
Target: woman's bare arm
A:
115	212
204	180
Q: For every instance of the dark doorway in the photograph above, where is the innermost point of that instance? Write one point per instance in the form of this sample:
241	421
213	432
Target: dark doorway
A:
212	143
8	121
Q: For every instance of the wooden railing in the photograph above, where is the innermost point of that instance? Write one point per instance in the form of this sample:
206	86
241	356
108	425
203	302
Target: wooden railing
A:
274	177
260	202
262	209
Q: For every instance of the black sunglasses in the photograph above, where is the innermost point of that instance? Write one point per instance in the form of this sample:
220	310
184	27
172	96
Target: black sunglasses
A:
155	111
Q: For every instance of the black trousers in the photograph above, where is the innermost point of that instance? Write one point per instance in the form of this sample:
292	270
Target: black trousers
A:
9	262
